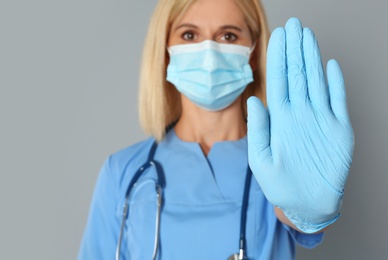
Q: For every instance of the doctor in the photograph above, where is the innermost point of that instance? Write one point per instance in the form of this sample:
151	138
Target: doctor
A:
202	60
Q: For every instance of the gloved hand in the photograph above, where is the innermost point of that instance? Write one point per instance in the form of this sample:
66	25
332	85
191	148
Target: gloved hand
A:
300	150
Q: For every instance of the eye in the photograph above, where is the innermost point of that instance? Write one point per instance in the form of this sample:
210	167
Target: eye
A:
189	36
228	37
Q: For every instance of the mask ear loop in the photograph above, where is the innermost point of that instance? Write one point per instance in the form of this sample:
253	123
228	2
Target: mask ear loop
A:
253	47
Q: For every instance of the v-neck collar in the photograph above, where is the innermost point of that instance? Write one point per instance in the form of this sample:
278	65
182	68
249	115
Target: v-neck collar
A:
221	173
195	145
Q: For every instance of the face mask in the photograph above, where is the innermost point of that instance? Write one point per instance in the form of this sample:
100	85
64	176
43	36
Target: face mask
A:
212	75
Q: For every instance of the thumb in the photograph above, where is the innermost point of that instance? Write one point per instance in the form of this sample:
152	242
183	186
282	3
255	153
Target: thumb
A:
259	150
337	91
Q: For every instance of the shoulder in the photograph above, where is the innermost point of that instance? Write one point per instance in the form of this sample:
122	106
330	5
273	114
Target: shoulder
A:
106	207
131	157
132	153
120	166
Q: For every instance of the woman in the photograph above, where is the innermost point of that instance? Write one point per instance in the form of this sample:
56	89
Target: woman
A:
201	61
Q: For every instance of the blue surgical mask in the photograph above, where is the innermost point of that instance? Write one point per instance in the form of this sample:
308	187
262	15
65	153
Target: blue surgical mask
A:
212	75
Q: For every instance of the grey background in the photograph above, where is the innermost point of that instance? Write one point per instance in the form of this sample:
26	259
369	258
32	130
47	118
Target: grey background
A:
68	78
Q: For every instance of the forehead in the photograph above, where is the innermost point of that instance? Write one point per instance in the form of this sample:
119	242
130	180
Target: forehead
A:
212	13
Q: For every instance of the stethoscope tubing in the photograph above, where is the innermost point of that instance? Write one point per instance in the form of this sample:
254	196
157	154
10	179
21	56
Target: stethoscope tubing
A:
160	185
159	190
244	211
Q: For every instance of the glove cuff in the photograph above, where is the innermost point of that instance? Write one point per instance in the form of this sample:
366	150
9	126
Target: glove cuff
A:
310	225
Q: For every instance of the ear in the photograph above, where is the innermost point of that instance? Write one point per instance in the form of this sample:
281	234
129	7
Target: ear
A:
254	55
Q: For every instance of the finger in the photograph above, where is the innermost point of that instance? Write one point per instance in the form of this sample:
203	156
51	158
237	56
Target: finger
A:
297	84
258	132
277	90
317	90
337	91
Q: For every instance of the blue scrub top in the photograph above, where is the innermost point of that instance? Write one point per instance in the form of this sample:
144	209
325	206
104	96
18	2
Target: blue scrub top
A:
201	211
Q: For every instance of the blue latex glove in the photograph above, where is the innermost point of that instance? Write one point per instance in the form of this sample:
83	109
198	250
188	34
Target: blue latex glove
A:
300	150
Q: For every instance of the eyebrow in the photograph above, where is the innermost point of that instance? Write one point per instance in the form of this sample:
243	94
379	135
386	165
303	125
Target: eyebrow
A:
231	27
224	27
186	25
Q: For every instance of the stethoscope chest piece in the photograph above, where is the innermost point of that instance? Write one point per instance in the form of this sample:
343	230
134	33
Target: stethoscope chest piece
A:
239	256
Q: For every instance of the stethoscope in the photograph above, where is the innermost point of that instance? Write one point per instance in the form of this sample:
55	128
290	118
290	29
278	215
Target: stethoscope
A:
160	184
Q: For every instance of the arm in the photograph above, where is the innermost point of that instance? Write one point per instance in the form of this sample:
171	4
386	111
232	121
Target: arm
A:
100	236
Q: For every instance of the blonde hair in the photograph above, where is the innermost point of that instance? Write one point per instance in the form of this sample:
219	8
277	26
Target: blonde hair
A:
159	101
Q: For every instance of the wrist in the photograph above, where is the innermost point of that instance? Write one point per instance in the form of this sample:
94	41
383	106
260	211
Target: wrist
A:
308	224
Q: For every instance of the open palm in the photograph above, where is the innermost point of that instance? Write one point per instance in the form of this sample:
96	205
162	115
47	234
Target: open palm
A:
300	149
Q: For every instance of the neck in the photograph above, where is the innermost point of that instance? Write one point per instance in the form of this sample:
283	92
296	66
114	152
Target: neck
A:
209	127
